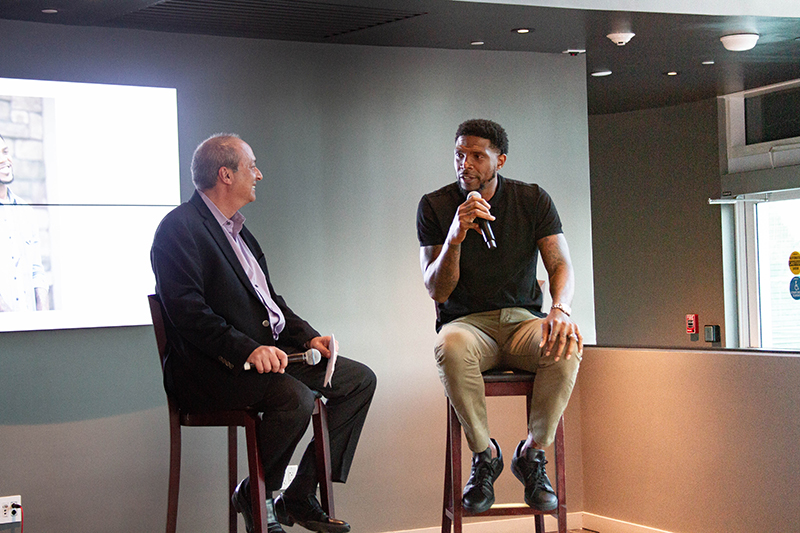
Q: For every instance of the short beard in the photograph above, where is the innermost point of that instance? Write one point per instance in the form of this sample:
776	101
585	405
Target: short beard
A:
487	183
480	188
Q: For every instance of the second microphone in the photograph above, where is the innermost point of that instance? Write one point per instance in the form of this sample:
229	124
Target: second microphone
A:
309	357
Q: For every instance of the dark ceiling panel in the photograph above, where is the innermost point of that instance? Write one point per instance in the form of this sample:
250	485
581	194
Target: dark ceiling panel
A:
663	42
265	19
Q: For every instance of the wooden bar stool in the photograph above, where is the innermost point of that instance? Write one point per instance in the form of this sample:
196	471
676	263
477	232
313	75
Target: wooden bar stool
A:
249	419
498	383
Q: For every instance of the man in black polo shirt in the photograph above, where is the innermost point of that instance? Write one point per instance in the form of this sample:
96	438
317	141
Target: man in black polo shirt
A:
489	305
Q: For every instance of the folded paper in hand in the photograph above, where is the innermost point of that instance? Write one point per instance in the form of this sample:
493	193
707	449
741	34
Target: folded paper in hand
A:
331	362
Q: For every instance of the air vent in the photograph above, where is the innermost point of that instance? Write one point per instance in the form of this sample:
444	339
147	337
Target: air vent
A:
260	19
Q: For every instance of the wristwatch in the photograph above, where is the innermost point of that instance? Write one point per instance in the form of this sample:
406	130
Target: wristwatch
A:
564	308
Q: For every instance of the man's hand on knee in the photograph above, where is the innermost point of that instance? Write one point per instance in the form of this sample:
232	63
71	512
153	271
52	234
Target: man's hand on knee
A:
268	359
560	334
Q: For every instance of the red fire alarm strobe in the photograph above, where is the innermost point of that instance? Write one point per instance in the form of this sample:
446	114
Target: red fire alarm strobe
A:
691	324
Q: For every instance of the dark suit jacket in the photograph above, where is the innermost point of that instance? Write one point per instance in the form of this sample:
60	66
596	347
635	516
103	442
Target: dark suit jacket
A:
214	316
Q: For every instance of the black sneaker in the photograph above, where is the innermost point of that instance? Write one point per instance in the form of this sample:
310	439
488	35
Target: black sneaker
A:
307	513
529	469
479	491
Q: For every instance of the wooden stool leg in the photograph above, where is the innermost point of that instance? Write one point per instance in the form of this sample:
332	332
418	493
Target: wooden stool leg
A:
258	494
447	503
455	442
561	477
323	454
174	468
233	468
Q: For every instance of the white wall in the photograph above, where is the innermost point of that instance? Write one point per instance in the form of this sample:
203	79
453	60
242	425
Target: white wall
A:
348	139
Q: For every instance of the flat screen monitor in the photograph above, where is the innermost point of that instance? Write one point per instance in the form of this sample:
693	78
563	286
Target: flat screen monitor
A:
88	172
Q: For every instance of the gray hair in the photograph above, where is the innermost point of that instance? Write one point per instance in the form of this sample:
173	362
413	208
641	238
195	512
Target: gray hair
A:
216	152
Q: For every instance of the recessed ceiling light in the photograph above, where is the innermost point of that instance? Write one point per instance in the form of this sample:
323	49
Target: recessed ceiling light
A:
521	30
49	11
601	73
708	62
477	43
671	73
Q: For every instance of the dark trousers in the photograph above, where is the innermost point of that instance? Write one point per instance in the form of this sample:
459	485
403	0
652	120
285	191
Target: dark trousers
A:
287	404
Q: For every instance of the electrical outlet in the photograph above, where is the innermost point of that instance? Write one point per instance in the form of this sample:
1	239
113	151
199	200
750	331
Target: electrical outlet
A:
288	476
9	514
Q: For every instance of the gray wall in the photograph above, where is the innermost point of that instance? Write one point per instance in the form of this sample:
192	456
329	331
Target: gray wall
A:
657	241
348	139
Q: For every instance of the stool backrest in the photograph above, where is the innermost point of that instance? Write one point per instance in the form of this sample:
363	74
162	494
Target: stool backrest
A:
158	325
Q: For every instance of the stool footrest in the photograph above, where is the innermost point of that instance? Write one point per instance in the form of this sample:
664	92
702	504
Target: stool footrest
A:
507	509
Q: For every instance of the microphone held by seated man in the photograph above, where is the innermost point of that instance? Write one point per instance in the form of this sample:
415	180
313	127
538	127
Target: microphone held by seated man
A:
309	357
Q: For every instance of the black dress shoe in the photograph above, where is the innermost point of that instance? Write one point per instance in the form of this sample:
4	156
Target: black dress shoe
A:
479	491
241	502
307	513
529	469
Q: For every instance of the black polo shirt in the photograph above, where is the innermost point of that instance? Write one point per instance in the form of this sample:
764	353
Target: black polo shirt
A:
499	278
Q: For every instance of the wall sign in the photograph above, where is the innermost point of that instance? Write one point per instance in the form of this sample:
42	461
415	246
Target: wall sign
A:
794	263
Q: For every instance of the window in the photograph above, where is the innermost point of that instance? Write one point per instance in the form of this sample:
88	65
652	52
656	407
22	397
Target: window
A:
761	129
760	144
768	231
772	116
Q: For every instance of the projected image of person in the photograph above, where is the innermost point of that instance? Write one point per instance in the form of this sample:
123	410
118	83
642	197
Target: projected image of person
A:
23	285
222	312
479	238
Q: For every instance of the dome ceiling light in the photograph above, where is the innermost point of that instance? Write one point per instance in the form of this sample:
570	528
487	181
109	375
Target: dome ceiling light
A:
620	39
739	42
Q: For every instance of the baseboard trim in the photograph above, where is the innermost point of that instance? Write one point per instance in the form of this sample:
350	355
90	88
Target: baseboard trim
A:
604	524
508	525
589	521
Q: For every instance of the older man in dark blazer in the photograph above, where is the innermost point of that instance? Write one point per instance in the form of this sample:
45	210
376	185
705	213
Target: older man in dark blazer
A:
223	312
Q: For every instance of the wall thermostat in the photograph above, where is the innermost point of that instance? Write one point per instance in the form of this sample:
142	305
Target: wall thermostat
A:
711	333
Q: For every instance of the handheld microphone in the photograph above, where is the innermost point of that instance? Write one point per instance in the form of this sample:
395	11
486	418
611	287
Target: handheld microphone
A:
486	228
309	357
